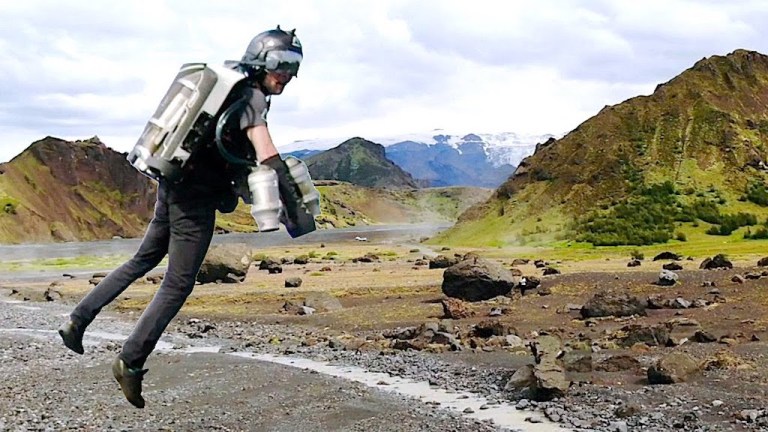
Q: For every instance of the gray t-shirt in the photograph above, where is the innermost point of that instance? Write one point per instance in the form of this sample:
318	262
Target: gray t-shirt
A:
255	112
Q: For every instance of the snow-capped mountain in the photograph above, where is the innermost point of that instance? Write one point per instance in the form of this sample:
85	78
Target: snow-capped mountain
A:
505	148
440	158
501	148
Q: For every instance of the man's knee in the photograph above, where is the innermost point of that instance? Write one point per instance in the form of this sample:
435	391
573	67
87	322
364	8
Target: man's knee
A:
179	283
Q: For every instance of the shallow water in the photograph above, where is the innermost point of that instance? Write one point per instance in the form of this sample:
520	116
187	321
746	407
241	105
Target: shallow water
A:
502	415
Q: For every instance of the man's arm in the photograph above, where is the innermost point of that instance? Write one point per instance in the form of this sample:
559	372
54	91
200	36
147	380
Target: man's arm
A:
298	221
262	142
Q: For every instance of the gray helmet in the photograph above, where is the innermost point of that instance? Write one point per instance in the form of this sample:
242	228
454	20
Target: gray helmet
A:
273	50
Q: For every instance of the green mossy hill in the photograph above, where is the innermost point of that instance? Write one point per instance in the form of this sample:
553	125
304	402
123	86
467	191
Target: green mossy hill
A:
360	162
692	154
58	190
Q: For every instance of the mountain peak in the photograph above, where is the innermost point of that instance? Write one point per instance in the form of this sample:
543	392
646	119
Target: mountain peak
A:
360	162
362	142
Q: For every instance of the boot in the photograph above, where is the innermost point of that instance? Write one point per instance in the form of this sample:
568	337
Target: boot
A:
72	335
130	381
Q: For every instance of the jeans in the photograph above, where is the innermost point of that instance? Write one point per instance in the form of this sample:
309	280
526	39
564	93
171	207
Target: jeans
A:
182	229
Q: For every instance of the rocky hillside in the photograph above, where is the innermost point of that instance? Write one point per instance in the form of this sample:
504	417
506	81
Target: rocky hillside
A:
691	153
361	162
65	191
58	190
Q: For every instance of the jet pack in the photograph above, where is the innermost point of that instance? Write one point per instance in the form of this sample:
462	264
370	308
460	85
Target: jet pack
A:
183	121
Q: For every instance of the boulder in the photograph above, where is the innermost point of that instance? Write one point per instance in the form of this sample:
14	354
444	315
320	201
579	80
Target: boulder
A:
702	336
667	278
618	363
667	256
477	280
442	261
225	262
656	301
322	302
657	335
522	379
266	263
293	282
673	368
488	328
607	303
579	361
718	261
367	258
550	381
291	308
456	309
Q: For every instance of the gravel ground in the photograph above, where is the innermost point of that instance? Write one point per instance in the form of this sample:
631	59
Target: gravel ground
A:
587	407
44	387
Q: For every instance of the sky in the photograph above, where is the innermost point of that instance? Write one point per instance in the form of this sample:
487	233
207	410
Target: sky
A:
75	69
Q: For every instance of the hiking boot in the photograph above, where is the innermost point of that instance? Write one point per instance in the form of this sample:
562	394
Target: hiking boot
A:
72	335
130	381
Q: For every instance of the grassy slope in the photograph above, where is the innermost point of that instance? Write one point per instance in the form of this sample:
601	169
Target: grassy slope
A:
699	130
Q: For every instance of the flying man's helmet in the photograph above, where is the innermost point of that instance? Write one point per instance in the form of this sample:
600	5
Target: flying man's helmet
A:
273	50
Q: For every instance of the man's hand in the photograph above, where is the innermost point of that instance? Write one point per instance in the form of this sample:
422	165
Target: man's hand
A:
298	220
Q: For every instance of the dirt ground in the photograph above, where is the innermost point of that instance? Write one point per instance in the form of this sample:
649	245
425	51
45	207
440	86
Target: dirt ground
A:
395	291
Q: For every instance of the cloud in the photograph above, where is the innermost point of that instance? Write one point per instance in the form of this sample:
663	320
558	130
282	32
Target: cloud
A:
76	69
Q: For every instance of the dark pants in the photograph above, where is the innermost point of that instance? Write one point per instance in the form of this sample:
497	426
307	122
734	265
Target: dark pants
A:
183	230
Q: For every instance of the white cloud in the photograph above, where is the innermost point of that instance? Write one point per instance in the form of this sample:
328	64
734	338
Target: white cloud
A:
76	69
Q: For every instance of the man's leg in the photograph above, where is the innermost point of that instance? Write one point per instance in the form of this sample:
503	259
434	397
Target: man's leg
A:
191	226
151	251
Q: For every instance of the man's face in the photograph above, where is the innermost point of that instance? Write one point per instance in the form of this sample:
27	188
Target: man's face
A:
275	81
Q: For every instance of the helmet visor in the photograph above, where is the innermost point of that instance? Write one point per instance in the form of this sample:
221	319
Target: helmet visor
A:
283	61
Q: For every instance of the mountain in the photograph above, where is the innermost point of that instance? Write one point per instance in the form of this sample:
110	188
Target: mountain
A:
689	156
466	161
360	162
57	190
439	158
